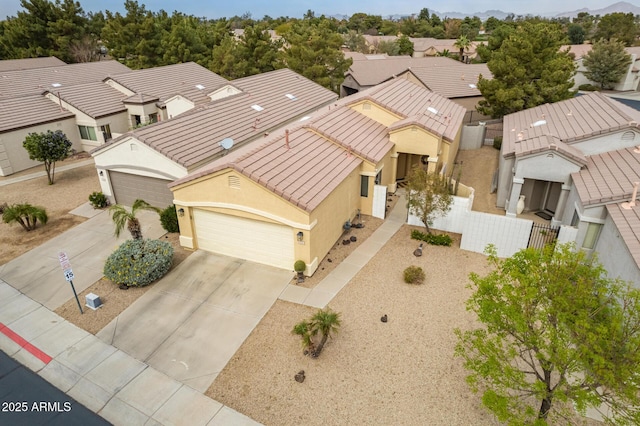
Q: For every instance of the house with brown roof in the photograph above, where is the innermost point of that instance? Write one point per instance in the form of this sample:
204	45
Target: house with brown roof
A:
289	196
448	77
24	109
30	63
141	163
423	46
576	161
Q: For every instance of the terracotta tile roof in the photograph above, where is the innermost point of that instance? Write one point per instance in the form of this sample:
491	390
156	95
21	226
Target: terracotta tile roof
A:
36	81
608	177
140	99
326	148
354	131
421	107
26	111
372	72
94	99
578	50
304	174
549	143
193	138
165	82
628	224
572	120
453	81
29	63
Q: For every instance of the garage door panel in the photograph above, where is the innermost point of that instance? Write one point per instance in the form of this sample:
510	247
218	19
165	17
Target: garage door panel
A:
127	188
261	242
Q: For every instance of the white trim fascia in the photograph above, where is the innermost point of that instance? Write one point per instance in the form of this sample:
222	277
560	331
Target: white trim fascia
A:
246	209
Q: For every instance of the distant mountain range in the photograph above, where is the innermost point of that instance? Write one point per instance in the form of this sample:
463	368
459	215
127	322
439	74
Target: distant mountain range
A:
622	6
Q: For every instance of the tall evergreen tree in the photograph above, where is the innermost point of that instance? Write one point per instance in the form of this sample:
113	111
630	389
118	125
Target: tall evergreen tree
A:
606	63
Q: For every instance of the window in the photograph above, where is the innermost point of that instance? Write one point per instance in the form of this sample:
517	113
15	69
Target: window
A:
153	118
364	186
378	178
575	220
87	133
106	132
593	231
135	119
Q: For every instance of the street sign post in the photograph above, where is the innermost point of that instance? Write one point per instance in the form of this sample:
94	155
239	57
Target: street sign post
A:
68	275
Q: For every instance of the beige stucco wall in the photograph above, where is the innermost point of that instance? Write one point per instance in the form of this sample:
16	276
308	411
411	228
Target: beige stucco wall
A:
224	92
134	157
13	156
178	105
376	112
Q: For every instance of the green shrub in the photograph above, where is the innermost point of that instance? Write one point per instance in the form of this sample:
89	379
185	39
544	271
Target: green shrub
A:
414	275
98	200
299	266
588	88
433	239
137	263
497	142
169	219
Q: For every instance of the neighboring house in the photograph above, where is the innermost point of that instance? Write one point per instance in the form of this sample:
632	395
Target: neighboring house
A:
629	81
30	114
290	196
424	46
29	63
25	110
576	161
148	90
141	163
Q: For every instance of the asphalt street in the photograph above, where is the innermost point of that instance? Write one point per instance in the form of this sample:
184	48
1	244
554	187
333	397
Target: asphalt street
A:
27	399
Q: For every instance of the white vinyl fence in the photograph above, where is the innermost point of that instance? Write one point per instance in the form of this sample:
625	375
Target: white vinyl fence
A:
478	230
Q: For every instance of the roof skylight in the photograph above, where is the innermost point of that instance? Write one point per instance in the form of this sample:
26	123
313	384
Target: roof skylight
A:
199	87
432	110
290	96
306	117
257	107
539	123
473	86
56	85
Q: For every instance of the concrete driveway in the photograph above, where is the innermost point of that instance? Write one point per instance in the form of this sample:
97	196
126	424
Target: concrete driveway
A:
190	323
38	274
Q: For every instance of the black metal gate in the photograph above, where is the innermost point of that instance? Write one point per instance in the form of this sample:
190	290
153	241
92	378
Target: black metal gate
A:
541	235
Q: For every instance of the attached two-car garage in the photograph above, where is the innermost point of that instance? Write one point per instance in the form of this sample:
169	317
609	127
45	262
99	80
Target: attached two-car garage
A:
128	187
257	241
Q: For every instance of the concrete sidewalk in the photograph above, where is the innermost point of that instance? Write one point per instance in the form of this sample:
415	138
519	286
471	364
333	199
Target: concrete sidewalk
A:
326	290
106	380
35	175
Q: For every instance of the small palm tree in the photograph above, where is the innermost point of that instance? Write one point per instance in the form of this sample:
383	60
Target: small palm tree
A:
25	214
122	217
324	322
303	329
462	43
445	53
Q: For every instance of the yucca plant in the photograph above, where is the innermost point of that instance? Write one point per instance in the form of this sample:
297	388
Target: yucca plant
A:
122	217
25	214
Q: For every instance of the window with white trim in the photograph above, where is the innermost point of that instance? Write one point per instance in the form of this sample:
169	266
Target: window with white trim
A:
87	133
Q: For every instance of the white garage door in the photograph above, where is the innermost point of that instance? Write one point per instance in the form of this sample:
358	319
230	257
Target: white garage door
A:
253	240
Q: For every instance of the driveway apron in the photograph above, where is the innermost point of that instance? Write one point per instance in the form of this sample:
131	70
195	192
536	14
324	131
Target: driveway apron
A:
190	323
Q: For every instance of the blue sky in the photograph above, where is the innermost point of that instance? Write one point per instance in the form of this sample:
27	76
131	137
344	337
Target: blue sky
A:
296	8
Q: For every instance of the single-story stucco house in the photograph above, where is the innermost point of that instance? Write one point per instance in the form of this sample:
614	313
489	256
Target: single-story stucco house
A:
141	163
289	196
576	161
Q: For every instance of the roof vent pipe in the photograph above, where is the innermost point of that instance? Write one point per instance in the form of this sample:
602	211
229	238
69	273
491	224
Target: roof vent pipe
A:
632	203
286	138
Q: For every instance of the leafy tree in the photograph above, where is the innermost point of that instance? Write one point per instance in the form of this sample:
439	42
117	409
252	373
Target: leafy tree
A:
452	28
492	23
68	28
462	43
313	50
576	34
24	214
356	42
528	70
606	63
405	46
429	195
183	42
621	26
497	37
122	217
323	323
27	34
49	148
389	47
586	21
557	333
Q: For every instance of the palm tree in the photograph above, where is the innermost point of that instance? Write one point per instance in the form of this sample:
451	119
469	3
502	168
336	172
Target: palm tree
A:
324	322
121	217
25	214
462	43
303	329
445	53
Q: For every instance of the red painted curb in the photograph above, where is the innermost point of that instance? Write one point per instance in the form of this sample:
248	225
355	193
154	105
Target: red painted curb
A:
24	344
